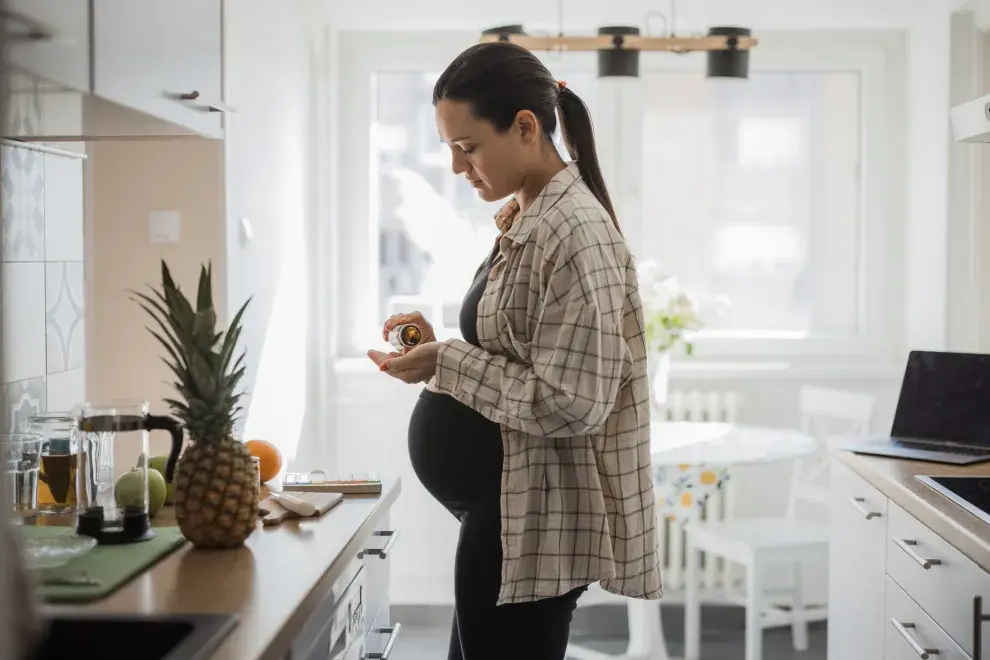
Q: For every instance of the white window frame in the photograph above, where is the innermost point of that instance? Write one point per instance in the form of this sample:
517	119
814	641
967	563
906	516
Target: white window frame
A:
878	57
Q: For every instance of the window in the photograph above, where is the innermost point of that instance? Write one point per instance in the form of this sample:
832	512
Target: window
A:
778	193
428	230
751	192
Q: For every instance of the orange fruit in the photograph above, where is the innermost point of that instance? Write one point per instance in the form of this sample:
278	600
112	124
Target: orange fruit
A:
269	457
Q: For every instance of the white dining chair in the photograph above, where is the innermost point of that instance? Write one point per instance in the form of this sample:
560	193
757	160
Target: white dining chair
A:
756	544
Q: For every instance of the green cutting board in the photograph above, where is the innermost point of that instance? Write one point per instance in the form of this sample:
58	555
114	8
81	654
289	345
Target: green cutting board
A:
111	565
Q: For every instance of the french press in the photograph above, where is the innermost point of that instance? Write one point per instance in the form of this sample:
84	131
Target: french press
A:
117	512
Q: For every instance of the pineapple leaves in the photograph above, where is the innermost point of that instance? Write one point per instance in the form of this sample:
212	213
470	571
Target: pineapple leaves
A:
200	356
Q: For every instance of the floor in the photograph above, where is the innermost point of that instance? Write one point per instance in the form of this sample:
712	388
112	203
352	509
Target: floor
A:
428	641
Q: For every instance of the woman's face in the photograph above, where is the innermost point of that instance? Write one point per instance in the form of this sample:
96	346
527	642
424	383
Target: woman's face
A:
494	163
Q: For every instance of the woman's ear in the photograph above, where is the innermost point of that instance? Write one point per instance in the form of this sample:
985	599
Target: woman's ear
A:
528	126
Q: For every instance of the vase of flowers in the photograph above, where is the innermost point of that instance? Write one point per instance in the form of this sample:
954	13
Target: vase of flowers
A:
671	317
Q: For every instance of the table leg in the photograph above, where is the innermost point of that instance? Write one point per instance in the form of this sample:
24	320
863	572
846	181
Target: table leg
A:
646	639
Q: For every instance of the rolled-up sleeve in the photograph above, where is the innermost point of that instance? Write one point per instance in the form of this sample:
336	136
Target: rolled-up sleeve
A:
578	356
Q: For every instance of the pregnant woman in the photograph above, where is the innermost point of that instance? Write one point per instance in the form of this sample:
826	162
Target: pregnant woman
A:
533	429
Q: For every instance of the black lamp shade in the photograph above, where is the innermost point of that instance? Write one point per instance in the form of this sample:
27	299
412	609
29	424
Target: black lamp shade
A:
730	63
618	61
504	30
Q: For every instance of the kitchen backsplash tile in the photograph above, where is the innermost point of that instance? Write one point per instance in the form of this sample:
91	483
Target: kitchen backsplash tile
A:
65	390
42	327
23	204
63	208
22	309
65	316
21	399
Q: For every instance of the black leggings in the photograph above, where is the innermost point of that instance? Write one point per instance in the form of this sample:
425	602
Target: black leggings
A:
485	631
457	455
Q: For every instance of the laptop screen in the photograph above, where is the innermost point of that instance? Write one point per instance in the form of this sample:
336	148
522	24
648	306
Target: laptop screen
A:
945	397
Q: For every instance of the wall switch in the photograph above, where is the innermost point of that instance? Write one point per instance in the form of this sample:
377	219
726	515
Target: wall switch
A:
247	231
163	226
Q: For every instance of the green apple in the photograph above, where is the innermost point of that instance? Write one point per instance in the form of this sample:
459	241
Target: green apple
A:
159	463
157	491
141	460
129	490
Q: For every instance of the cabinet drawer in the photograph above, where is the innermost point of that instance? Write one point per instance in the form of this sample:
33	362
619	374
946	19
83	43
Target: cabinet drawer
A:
913	634
857	555
336	620
936	576
377	556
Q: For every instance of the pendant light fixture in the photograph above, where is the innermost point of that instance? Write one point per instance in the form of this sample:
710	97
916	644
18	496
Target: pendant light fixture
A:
727	48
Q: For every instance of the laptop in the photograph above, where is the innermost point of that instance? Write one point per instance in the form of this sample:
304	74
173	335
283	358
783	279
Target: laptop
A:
943	412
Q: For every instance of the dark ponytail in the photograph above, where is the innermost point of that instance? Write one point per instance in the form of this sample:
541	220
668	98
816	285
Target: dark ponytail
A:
579	136
498	79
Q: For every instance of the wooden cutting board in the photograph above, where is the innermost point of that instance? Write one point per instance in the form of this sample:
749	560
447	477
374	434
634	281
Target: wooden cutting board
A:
272	513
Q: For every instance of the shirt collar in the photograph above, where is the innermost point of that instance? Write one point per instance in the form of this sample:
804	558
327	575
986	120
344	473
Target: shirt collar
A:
516	226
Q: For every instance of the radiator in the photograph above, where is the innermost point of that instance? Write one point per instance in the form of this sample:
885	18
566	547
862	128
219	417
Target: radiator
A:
697	406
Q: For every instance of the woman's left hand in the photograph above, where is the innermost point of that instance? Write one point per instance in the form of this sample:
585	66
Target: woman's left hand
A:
418	365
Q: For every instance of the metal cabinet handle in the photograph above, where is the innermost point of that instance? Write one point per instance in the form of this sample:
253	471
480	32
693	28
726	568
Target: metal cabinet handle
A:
857	503
908	547
902	628
204	104
393	634
979	618
383	552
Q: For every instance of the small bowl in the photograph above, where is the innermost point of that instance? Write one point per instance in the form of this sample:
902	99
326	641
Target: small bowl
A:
56	551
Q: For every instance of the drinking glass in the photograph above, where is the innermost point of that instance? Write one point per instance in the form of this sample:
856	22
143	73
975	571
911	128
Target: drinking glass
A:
59	461
22	455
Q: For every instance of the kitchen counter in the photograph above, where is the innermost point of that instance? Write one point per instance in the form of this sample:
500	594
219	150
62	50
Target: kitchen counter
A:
895	479
273	584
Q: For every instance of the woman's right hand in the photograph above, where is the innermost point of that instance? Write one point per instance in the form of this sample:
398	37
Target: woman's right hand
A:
417	319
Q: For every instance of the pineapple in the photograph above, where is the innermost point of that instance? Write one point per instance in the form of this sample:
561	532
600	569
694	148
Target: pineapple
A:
216	482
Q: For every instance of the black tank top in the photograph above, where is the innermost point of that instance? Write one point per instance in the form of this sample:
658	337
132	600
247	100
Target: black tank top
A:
455	451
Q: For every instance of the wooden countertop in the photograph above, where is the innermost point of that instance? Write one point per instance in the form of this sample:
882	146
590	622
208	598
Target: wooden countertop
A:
895	478
273	583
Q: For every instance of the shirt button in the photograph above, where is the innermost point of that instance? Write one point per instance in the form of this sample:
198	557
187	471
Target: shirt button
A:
511	541
510	488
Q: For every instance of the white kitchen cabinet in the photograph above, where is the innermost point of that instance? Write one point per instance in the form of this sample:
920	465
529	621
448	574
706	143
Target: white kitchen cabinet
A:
50	39
857	555
162	58
911	633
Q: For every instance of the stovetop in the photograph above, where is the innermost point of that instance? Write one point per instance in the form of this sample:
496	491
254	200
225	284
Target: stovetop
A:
971	493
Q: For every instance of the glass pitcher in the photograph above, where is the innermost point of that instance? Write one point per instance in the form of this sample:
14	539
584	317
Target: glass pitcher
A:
59	461
117	511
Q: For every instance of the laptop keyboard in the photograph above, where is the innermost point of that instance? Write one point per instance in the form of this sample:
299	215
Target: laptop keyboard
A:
936	446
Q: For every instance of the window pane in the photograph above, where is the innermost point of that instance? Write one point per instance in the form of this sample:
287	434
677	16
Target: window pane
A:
751	191
433	230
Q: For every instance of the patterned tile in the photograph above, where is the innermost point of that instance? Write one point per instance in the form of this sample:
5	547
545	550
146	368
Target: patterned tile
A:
22	399
22	312
64	328
66	390
22	204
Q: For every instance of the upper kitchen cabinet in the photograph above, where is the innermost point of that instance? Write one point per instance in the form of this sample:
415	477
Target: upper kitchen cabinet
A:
97	69
50	38
162	58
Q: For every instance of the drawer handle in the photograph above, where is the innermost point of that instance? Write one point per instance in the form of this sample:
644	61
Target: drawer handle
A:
857	503
908	547
979	618
383	553
393	634
902	628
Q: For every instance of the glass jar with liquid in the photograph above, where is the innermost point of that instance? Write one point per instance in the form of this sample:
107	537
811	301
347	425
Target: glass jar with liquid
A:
59	462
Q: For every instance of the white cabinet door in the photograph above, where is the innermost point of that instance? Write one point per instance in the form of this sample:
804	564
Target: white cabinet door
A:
163	58
59	48
857	556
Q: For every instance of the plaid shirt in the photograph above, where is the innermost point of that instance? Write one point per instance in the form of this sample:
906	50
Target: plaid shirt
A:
563	371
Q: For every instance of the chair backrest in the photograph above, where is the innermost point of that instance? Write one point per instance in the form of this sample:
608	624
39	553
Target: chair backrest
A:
830	416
